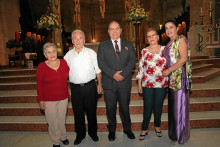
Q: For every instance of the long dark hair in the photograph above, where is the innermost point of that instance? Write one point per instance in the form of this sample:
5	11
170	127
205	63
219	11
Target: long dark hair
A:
172	21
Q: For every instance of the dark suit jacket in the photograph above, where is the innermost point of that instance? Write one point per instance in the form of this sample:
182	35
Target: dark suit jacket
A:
109	64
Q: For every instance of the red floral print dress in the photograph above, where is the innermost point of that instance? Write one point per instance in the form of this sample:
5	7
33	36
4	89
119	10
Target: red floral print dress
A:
150	69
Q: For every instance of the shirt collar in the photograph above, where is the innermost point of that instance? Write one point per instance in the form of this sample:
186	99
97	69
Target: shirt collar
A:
119	41
81	50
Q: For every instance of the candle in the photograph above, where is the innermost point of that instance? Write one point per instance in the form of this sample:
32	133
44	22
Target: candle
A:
160	25
201	10
210	4
17	36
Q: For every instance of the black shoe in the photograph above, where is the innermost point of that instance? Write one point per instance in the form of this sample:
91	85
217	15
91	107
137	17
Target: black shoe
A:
111	136
130	134
78	139
95	138
56	145
66	142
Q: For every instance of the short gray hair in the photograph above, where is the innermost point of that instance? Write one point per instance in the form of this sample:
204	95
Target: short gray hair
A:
49	44
77	31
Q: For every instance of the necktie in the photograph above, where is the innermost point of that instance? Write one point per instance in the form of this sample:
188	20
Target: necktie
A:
116	49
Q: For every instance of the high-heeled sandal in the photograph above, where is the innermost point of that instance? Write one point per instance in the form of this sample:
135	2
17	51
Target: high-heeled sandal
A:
173	142
142	137
159	134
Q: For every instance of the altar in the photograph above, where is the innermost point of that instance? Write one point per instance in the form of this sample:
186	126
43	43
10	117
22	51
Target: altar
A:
29	57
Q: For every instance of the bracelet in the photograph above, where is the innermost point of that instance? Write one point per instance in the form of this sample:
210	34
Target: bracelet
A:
99	83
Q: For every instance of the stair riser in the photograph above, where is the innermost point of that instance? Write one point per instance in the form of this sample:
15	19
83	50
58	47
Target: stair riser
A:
134	96
16	73
102	127
33	99
197	70
102	110
205	93
18	79
204	79
18	87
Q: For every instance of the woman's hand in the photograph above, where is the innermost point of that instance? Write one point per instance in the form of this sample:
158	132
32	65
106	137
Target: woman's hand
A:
140	90
42	105
166	72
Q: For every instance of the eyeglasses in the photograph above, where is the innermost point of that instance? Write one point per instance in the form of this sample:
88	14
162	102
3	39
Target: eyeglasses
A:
152	36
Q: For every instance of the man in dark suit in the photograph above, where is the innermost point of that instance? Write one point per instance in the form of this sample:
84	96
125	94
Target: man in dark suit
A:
116	59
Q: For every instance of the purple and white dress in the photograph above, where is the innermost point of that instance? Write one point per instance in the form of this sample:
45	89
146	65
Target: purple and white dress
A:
178	95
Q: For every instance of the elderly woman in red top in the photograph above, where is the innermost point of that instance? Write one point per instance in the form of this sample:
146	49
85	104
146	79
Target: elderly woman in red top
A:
151	82
53	94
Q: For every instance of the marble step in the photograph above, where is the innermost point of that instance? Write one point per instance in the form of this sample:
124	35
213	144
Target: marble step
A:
30	79
136	107
204	76
200	68
214	61
30	96
18	78
202	119
15	72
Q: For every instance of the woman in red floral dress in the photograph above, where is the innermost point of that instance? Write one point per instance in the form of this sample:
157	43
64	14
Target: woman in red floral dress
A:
151	82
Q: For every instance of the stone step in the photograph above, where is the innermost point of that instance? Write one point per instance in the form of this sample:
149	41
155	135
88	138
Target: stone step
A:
214	61
32	84
200	68
205	75
30	96
202	119
19	78
136	107
15	72
31	79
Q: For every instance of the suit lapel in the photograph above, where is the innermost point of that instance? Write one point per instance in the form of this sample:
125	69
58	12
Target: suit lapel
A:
112	49
122	49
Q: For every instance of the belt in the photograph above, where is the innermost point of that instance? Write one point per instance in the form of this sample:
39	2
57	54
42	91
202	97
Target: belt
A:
83	84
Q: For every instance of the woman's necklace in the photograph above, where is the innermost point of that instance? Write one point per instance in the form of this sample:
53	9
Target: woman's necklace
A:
55	65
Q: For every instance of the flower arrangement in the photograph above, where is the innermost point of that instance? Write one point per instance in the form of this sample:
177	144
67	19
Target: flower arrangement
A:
136	12
49	21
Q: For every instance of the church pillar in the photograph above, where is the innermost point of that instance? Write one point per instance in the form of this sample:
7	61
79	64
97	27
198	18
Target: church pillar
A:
9	24
57	35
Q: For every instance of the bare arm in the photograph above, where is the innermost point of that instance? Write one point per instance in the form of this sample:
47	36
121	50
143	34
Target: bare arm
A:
99	86
183	50
140	86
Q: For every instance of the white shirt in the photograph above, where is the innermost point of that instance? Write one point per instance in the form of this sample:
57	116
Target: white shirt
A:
119	44
83	66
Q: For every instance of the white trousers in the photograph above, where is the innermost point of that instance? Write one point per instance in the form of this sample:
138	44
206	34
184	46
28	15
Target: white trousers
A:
55	113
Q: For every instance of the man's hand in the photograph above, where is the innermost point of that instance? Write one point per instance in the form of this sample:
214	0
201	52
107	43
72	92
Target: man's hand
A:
118	77
99	89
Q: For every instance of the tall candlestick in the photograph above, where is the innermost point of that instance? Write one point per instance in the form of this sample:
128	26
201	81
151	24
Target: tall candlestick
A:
210	4
201	10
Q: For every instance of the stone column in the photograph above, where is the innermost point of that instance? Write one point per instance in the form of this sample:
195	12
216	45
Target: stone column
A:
9	24
57	35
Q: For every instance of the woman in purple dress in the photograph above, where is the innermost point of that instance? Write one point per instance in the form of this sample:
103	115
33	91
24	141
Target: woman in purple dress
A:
177	54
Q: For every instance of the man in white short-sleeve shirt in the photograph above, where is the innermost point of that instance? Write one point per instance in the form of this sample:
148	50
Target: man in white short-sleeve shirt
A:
84	69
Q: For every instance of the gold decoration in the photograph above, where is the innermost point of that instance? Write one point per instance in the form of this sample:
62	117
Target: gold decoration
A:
102	8
77	19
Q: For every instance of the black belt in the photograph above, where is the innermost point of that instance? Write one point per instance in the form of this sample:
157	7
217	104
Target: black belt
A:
83	84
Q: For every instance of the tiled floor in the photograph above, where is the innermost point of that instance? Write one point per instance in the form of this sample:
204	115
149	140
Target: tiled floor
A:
199	138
